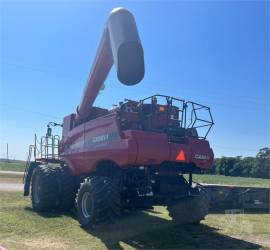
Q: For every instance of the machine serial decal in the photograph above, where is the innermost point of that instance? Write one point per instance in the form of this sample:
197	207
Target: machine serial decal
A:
201	157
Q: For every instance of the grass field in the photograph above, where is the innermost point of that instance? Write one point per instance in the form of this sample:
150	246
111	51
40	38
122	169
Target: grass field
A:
11	177
21	228
230	180
212	179
18	166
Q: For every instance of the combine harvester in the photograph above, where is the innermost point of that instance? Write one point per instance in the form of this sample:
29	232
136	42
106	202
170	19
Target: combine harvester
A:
133	156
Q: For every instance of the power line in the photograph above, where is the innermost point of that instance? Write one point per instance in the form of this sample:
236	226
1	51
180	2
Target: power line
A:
29	111
38	69
62	74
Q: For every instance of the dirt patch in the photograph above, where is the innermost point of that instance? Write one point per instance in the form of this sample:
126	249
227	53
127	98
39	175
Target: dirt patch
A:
45	242
11	172
11	186
10	180
38	243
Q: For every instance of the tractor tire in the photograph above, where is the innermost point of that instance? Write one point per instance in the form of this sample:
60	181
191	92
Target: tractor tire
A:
98	200
190	210
66	189
44	189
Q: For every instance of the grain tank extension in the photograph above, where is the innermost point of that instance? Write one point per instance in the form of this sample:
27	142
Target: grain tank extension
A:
134	156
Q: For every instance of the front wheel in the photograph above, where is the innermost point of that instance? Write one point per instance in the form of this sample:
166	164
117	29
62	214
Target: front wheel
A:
44	189
98	200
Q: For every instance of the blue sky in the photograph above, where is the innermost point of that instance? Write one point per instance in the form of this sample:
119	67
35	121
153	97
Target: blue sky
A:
212	52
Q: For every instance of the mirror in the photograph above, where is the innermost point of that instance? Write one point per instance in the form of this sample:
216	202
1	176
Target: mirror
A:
49	132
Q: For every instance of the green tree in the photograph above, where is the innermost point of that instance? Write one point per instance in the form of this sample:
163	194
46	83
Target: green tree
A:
264	153
262	166
258	166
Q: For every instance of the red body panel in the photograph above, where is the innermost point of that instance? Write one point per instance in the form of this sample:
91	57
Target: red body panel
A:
102	139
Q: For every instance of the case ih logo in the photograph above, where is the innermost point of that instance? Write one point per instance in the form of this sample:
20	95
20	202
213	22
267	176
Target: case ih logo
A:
100	138
80	143
201	157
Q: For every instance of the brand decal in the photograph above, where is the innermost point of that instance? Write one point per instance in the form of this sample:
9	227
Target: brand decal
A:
202	157
93	140
101	138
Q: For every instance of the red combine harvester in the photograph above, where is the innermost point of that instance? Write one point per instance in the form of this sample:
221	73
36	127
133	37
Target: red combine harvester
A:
135	155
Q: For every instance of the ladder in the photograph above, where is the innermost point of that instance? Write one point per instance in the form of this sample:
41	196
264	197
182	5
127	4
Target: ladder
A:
28	162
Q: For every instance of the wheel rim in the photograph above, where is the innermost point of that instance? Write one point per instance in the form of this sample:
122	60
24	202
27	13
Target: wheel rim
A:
36	190
87	205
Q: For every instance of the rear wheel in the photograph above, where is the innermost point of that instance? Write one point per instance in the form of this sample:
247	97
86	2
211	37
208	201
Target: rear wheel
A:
67	189
44	189
190	210
98	200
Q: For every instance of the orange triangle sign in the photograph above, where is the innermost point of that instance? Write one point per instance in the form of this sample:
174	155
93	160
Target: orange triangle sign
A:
181	156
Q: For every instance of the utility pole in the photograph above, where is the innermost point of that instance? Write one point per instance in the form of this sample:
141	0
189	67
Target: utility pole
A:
7	151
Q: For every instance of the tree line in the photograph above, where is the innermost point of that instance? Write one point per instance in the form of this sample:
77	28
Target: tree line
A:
258	166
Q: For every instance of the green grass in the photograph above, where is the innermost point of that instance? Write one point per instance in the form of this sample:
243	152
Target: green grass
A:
241	181
213	179
21	228
18	166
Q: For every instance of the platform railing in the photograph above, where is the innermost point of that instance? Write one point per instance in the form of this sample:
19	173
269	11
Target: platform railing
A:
45	148
49	147
191	115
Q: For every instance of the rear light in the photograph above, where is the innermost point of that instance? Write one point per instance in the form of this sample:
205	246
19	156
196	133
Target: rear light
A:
161	109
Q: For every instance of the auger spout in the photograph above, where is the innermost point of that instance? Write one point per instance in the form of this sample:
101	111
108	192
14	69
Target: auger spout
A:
120	45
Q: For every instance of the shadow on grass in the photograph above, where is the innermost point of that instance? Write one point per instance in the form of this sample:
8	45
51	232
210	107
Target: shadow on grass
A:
52	214
145	231
239	211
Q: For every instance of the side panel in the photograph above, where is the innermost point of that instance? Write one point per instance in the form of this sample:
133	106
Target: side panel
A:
101	139
152	147
97	140
72	148
155	148
201	153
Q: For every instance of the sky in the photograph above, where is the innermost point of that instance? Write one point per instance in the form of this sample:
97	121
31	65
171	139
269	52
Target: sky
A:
212	52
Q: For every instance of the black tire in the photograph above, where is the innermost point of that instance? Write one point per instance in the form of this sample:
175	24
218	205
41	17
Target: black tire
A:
44	189
98	200
66	189
190	210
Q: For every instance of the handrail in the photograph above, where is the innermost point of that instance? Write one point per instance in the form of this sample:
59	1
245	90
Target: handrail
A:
31	147
187	118
47	147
